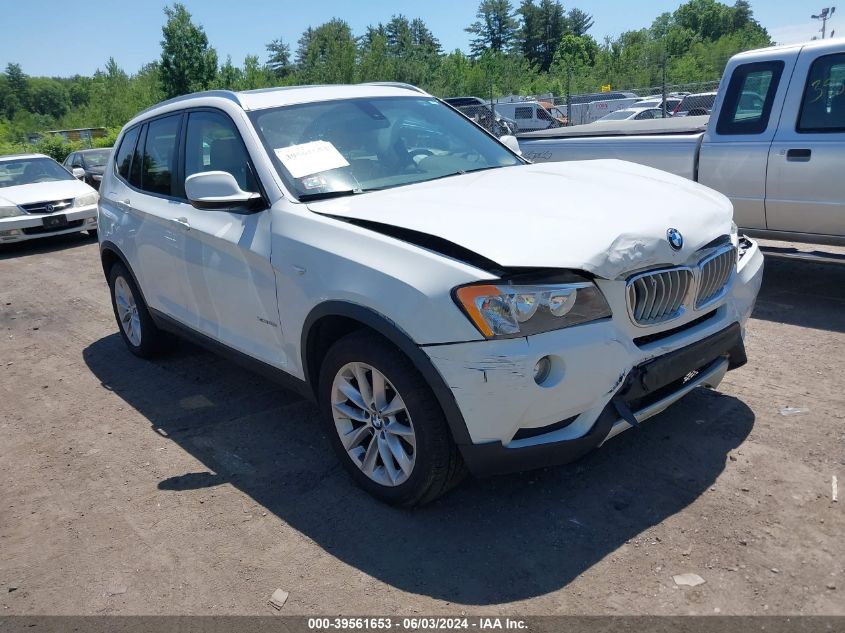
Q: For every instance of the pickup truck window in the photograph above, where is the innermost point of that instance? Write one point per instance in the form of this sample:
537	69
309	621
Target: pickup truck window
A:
749	98
823	106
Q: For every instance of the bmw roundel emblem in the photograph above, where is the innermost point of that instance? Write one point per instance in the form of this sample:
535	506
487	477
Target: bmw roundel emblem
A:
676	240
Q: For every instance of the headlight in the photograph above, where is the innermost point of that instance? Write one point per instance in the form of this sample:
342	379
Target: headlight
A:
734	234
87	199
502	310
10	211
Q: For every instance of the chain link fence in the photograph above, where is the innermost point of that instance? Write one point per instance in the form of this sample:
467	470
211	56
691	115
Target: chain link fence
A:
514	114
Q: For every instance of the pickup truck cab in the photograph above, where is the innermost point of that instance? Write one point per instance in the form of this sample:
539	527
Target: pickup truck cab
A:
376	250
774	143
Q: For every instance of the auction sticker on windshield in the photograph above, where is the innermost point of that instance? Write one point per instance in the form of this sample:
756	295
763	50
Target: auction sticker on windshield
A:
310	158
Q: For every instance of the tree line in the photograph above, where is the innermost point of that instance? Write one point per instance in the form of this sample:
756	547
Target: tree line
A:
533	48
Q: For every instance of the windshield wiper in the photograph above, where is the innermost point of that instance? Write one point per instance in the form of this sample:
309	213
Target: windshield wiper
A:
325	195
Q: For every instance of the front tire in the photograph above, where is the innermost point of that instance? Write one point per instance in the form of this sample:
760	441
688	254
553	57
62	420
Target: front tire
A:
136	326
385	424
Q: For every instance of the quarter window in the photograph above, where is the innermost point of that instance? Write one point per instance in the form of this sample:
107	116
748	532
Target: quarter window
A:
158	170
123	158
823	105
214	144
749	98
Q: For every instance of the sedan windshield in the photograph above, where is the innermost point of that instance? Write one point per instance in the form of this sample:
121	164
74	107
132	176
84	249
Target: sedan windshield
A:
95	158
618	115
26	171
356	145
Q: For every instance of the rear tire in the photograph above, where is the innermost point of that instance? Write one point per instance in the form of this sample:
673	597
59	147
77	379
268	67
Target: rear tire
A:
136	326
397	445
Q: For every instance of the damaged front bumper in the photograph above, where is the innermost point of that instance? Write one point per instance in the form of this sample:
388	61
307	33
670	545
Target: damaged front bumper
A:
603	380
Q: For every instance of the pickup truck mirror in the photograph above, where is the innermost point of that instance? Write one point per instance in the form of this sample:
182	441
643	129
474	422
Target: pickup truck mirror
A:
78	172
509	141
219	190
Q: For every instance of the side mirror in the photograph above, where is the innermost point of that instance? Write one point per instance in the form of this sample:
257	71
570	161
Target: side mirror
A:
509	141
78	172
218	190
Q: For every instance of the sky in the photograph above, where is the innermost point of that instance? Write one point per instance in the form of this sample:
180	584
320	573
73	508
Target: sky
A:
61	38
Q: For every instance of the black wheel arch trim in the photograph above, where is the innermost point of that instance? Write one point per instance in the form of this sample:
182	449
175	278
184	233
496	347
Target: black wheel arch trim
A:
402	340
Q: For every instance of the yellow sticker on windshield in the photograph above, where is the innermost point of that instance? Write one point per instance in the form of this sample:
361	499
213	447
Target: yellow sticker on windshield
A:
310	158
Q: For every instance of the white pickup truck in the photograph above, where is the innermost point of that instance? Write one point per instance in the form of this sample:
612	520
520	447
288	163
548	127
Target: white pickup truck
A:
774	143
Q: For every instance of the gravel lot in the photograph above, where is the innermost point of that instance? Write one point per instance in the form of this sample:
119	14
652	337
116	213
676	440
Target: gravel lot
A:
190	486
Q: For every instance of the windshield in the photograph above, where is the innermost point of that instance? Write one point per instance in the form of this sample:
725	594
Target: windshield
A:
95	158
697	101
617	116
26	171
358	145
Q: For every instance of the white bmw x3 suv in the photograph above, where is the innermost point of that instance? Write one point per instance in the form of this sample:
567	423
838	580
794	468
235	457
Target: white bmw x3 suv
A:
447	304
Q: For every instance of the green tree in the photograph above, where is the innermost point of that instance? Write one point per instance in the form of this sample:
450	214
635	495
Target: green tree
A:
578	22
230	77
375	63
327	54
188	63
278	60
543	26
48	96
495	28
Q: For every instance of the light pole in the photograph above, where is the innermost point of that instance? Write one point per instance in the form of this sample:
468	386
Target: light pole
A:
824	16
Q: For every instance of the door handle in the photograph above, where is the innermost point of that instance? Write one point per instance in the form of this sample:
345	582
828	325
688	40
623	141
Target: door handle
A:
799	155
183	222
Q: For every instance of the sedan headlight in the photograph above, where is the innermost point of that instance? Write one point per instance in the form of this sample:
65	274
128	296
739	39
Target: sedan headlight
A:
86	200
503	310
10	211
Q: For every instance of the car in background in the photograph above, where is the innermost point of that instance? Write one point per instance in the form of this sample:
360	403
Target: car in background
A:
39	197
632	114
696	104
657	102
478	110
88	165
528	115
556	112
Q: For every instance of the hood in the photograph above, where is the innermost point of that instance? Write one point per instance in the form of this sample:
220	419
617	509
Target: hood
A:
606	217
99	170
44	191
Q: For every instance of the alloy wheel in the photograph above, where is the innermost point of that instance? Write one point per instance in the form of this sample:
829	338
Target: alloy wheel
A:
127	311
373	424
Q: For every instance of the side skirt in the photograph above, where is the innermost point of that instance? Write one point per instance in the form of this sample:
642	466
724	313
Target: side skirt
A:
275	374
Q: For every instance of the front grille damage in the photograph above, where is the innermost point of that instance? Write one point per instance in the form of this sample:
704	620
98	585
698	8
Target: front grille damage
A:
659	296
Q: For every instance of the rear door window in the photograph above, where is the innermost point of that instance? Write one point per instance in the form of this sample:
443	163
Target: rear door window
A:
749	98
123	158
823	105
158	173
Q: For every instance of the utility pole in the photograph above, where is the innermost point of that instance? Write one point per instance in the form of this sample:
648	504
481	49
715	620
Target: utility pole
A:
569	96
823	16
663	83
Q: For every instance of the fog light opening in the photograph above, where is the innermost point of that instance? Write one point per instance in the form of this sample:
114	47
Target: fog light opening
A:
542	370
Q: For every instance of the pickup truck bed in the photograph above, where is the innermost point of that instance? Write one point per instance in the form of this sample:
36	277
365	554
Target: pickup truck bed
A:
668	144
774	143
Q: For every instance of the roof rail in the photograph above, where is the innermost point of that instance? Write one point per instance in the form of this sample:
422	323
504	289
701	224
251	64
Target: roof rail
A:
393	84
225	94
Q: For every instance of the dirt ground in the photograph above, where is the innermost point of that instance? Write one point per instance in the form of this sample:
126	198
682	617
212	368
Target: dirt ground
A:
190	486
